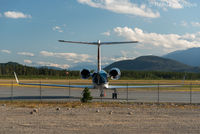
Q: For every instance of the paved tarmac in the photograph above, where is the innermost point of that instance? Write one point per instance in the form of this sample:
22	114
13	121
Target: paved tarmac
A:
66	94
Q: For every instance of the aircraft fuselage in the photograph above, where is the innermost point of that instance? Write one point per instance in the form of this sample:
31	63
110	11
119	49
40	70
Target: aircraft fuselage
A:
100	79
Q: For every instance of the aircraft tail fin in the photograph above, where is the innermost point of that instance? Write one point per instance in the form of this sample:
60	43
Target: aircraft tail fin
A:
98	43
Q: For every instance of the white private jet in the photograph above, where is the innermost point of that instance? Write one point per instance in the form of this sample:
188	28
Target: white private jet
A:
100	77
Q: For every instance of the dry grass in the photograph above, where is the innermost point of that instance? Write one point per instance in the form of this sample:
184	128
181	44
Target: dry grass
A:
78	104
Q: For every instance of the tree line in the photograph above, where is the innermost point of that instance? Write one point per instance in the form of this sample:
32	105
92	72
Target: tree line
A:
7	69
152	75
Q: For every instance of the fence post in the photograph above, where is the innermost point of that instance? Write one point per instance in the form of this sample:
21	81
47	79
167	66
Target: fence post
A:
101	96
127	92
40	92
11	90
69	90
190	93
158	93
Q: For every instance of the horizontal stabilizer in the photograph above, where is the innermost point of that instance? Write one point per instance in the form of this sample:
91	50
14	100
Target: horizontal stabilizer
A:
98	42
124	42
79	42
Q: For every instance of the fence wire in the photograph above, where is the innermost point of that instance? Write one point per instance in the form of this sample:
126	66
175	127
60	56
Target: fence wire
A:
188	93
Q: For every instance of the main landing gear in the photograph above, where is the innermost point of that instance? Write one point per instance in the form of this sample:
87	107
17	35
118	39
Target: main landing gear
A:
114	95
102	94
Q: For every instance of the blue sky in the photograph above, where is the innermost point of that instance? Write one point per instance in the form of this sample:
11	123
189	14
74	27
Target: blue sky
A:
30	29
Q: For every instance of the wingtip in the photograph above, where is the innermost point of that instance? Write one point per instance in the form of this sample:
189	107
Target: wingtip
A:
16	78
61	41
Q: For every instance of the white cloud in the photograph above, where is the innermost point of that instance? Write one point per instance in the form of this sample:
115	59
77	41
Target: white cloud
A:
108	60
74	57
45	53
58	29
184	23
164	42
125	55
16	15
28	61
123	7
63	66
6	51
26	54
113	59
175	4
106	33
195	24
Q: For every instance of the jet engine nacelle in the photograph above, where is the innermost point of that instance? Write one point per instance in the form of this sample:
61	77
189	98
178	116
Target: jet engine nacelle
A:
85	74
114	73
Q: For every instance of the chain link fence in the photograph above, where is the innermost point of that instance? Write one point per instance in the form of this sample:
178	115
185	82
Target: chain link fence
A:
188	93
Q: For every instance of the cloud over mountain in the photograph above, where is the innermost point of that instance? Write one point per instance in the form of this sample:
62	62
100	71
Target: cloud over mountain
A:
49	64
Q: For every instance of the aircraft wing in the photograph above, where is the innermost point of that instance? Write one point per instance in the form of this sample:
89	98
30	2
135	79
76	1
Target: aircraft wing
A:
148	86
53	85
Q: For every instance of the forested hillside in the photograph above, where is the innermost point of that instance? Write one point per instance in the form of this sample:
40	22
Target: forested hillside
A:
152	63
7	69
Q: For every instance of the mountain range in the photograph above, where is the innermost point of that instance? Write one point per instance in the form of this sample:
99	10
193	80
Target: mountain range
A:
189	56
178	61
153	63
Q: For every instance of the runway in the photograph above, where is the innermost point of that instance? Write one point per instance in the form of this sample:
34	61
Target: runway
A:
66	94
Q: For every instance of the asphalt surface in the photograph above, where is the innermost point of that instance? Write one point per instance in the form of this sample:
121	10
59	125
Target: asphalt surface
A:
66	94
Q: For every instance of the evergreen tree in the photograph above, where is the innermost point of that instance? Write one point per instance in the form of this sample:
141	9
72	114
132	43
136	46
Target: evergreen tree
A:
86	95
